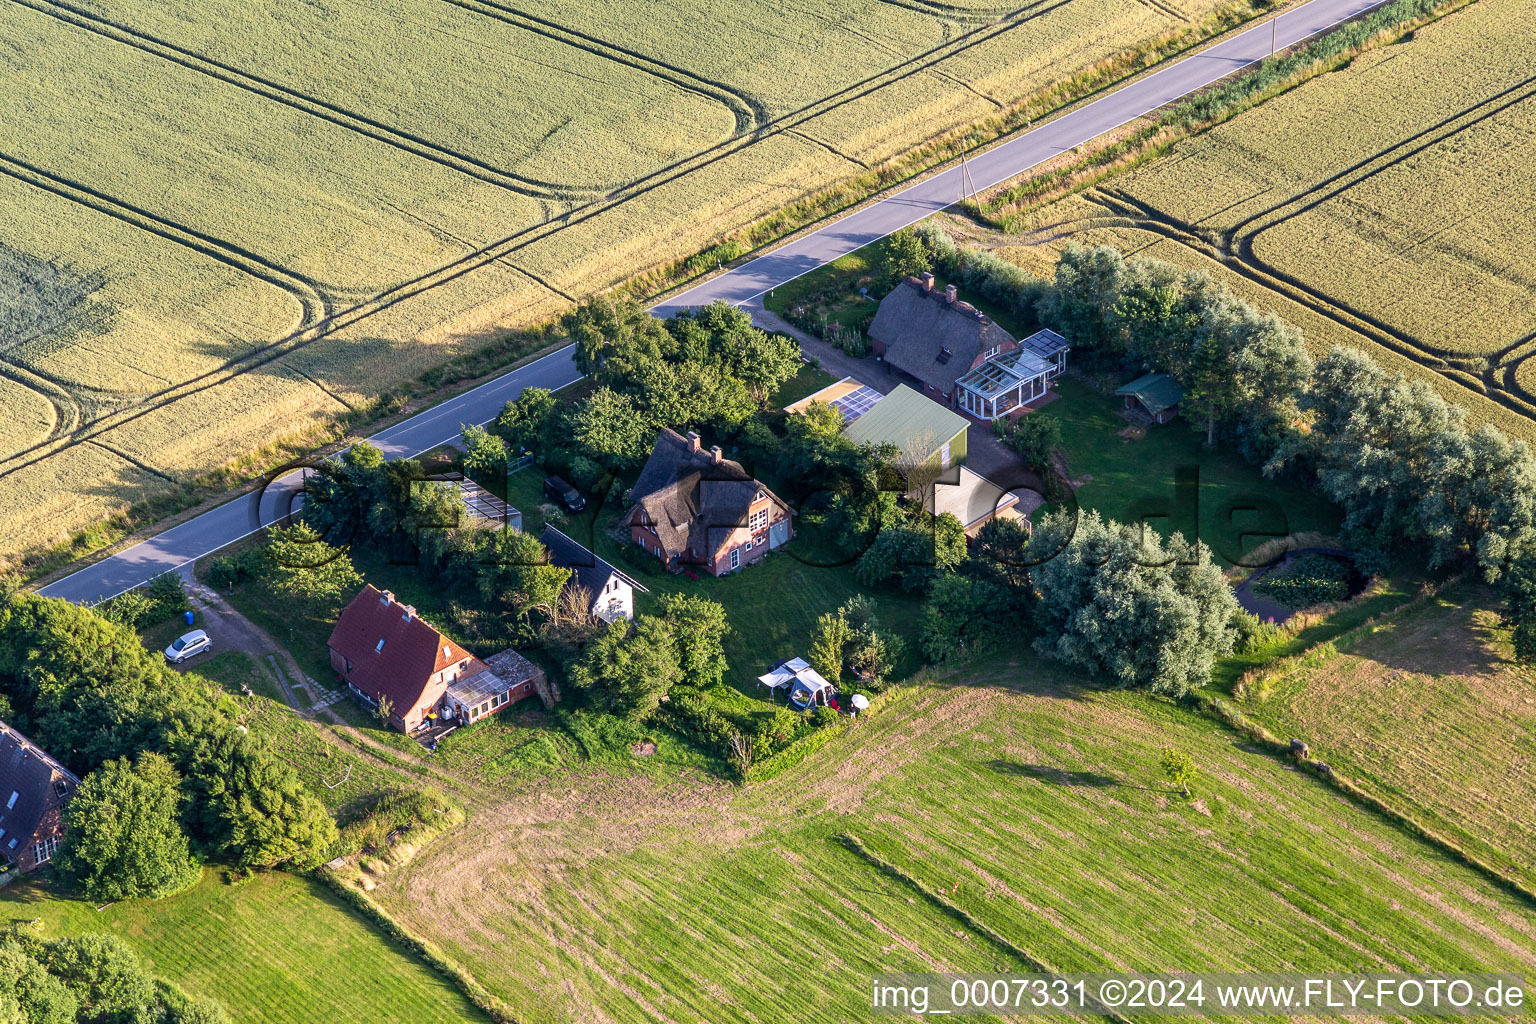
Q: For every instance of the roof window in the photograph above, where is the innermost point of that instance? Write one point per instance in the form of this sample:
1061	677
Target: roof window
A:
380	648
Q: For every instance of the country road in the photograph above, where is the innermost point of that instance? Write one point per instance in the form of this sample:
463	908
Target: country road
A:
242	516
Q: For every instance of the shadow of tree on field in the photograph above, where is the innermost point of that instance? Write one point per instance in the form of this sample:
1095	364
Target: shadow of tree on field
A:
1057	776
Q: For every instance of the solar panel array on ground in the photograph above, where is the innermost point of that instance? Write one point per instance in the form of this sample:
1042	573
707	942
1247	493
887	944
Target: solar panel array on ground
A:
482	504
856	403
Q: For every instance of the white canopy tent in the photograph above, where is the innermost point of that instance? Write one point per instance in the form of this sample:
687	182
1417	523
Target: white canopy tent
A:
804	685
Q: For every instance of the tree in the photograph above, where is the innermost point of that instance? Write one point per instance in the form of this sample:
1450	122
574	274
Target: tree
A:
1117	600
258	813
1178	768
1035	437
1081	303
905	256
607	427
524	423
701	629
105	975
485	455
1375	442
86	689
959	617
384	710
628	667
29	992
819	420
129	609
829	646
514	569
122	839
301	565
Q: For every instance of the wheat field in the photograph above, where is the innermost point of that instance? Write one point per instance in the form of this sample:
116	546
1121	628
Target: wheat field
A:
223	223
1386	204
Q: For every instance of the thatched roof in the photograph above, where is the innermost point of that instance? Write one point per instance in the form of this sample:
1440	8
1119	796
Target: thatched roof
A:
929	337
691	500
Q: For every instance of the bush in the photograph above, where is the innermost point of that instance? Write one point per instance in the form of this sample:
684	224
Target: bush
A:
226	571
1253	633
823	717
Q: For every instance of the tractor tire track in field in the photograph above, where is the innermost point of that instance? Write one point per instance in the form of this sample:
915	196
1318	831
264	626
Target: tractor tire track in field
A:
389	135
1492	375
1132	213
502	248
747	111
301	289
66	409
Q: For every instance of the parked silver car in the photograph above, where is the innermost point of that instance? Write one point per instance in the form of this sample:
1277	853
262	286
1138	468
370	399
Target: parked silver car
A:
186	645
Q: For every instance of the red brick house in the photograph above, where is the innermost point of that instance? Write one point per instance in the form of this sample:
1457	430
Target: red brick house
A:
693	506
382	649
35	789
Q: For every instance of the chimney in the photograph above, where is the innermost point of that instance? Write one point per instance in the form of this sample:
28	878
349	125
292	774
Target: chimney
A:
407	612
386	597
927	280
951	293
693	440
715	454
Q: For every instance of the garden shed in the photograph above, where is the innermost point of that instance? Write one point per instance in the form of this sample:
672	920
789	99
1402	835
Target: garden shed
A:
1154	397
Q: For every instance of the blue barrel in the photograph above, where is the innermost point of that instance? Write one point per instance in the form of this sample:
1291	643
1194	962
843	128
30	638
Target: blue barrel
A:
189	616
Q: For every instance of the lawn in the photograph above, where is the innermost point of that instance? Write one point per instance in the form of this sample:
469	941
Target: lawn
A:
1170	478
1028	802
1427	710
275	949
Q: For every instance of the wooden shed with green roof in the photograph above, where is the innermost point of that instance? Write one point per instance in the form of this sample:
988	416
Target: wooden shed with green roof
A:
922	428
1154	396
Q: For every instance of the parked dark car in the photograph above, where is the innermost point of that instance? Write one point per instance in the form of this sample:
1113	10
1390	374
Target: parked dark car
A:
569	497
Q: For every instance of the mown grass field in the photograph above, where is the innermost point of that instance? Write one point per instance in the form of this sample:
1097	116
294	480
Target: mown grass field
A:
1384	204
275	949
1030	803
254	238
1172	481
1427	710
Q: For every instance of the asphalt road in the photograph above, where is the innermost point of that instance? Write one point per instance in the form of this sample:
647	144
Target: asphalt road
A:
214	529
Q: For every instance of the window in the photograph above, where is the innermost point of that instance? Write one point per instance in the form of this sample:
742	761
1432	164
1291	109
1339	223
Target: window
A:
735	558
991	352
44	849
748	544
12	801
380	648
759	520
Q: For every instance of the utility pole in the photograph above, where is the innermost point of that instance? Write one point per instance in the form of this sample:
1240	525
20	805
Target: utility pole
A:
1274	33
967	185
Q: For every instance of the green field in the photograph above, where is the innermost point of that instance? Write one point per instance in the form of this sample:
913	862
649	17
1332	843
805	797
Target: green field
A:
1405	231
226	224
1015	796
1427	710
275	949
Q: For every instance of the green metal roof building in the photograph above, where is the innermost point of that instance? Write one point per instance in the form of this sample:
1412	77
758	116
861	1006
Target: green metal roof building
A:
909	420
1157	394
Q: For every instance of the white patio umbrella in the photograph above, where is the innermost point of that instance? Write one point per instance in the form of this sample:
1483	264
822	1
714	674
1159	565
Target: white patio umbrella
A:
859	701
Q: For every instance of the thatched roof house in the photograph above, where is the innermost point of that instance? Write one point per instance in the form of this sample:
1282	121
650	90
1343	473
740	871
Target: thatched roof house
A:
933	336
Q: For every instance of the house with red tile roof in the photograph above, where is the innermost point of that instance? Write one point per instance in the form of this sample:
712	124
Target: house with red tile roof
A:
383	650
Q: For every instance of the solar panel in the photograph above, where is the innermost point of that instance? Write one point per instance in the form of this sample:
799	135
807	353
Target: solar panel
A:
482	504
856	403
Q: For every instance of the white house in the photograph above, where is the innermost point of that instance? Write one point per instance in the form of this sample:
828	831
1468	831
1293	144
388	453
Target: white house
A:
612	592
